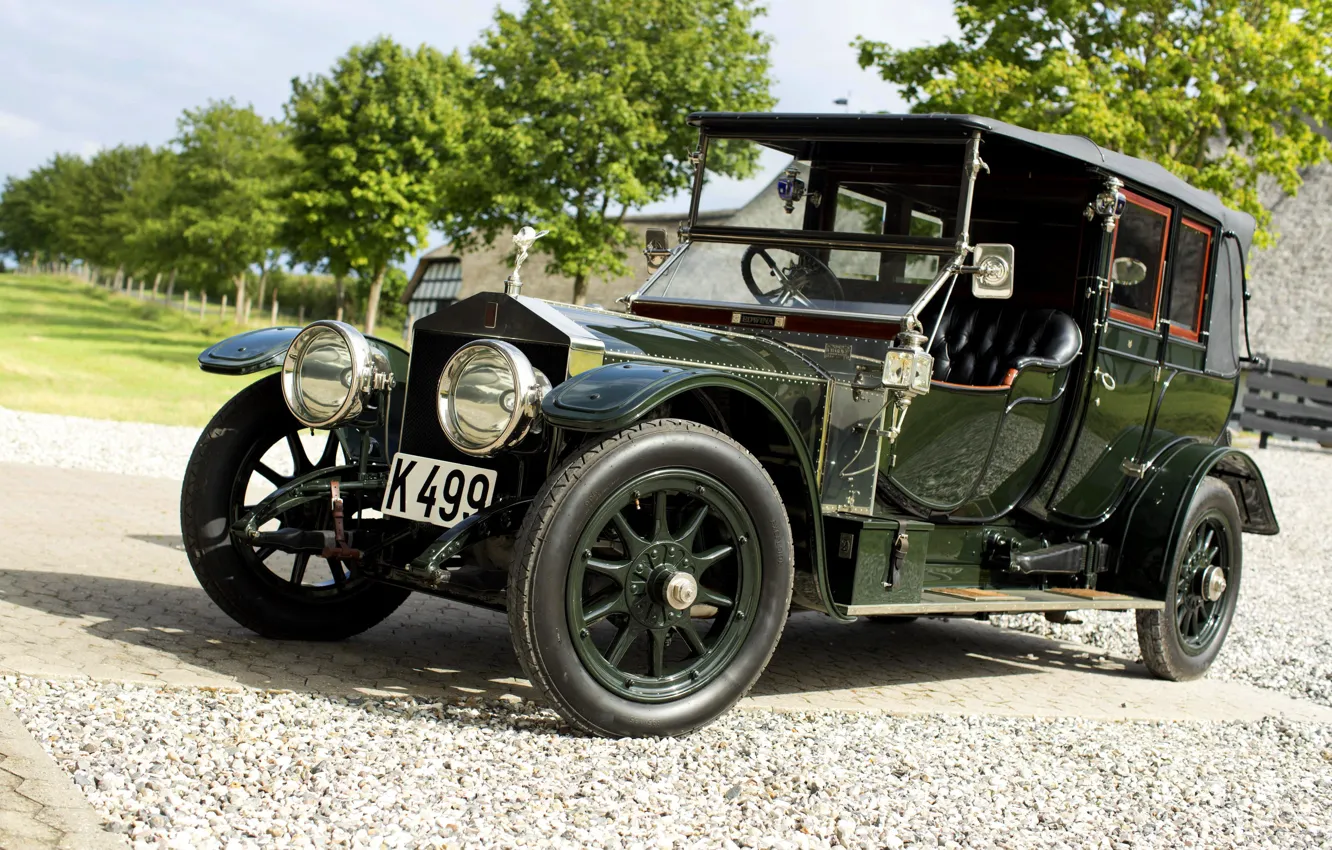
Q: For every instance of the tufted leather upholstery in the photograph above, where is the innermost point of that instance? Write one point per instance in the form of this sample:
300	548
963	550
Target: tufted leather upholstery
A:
980	341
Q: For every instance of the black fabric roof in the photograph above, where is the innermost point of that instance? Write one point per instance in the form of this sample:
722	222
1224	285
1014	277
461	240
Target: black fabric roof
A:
939	125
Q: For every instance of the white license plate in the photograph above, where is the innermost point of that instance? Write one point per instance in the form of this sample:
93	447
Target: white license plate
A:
435	491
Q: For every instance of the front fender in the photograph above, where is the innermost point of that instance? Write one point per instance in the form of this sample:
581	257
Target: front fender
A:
1151	527
257	350
616	395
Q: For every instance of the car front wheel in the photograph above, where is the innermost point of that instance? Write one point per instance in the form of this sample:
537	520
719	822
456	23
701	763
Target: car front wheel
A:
651	581
250	448
1181	641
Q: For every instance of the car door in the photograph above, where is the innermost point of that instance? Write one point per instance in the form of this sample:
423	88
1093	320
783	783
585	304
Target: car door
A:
1107	451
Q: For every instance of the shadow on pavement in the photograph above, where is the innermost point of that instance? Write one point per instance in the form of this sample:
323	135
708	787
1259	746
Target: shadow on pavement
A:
433	647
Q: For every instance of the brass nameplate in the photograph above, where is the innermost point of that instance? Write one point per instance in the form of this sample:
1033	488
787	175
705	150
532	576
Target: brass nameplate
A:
758	320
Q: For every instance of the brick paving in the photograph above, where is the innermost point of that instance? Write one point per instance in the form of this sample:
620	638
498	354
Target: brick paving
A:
96	584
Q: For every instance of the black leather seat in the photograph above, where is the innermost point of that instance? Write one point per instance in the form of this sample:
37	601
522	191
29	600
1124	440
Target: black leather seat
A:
980	341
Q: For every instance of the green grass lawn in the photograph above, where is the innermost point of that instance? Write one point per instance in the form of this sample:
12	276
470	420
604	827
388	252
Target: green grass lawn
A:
72	348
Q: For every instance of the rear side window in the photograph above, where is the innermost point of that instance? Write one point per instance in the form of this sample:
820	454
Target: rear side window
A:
1138	258
1188	278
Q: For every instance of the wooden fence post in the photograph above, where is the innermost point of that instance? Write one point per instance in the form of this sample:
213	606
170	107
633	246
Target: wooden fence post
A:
222	313
186	307
273	320
300	315
203	304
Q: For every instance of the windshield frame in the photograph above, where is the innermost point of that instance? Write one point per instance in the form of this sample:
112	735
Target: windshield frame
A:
954	250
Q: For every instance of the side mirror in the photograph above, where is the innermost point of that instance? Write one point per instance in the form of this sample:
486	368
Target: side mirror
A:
992	273
1127	271
656	251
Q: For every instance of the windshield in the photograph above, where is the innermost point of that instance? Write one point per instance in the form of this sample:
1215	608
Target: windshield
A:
881	282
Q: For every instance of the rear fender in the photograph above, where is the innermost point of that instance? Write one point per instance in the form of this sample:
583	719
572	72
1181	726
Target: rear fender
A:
616	395
265	348
1153	522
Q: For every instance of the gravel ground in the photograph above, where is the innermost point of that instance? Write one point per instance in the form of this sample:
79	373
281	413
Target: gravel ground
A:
1280	638
195	768
100	445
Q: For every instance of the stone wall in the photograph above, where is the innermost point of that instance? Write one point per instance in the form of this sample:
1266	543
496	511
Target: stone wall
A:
1290	316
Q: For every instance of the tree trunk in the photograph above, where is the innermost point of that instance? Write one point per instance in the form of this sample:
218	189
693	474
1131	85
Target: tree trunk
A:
240	297
342	289
372	303
580	289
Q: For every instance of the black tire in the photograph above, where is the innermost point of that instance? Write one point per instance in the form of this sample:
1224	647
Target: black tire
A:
1180	642
541	583
232	573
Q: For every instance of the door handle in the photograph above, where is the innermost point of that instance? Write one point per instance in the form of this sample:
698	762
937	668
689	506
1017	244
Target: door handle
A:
1107	380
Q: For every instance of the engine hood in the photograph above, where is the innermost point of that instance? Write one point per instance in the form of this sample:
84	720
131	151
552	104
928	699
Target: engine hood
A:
635	338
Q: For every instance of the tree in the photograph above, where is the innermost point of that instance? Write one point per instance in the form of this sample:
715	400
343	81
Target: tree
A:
36	212
583	107
226	203
374	136
94	216
152	242
1221	92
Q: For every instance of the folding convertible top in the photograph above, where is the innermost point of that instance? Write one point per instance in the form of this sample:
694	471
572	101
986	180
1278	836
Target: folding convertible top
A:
1224	330
938	125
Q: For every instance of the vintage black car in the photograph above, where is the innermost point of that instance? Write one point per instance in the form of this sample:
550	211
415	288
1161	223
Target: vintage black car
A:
954	368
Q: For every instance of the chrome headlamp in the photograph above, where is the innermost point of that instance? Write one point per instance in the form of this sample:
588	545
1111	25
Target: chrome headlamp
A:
329	370
489	397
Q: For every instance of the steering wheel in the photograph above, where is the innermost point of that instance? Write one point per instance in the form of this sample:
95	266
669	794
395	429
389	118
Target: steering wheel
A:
799	282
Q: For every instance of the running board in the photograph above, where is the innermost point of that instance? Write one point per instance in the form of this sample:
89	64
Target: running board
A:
967	600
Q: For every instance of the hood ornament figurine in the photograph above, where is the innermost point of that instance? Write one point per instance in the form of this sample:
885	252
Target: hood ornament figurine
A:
525	238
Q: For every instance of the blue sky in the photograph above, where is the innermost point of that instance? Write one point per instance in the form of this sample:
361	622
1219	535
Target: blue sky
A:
79	75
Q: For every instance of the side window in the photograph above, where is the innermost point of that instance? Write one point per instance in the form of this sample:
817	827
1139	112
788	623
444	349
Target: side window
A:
921	268
1138	257
856	213
1188	278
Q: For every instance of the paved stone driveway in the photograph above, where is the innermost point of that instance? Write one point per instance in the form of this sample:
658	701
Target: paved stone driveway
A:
96	584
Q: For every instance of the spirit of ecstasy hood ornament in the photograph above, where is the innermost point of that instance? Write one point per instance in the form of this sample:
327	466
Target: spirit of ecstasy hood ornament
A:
525	238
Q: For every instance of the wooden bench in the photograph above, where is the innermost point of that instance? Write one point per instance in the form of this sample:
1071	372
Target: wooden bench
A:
1291	399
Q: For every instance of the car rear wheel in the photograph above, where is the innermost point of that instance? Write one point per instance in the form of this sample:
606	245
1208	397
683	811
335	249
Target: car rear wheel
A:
651	580
1180	642
252	446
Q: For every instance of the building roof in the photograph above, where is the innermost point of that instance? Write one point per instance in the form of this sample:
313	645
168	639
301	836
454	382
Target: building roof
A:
438	277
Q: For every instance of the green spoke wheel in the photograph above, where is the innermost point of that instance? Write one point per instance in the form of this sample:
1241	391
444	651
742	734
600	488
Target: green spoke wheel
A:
664	586
651	581
1200	587
1181	641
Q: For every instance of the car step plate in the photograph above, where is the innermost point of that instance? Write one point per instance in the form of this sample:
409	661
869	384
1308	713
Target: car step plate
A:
979	600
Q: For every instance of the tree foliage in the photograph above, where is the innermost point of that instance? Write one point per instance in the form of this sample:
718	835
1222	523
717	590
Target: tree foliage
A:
1221	92
375	136
226	202
581	117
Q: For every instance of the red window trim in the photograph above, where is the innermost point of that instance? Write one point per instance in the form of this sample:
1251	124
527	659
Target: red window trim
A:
1196	334
1148	322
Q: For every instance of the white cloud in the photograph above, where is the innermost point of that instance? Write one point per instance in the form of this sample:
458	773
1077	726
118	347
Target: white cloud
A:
17	127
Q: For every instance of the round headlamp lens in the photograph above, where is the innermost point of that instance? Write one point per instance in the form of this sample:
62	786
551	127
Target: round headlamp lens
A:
323	375
476	406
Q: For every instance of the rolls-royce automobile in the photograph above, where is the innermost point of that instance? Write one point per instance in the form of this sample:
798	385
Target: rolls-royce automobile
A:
944	366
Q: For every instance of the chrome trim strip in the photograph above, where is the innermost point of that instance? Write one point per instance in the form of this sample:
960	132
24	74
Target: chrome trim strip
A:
670	361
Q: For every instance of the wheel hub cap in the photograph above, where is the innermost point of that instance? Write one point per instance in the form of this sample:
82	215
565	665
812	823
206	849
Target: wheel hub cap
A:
681	590
1213	583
